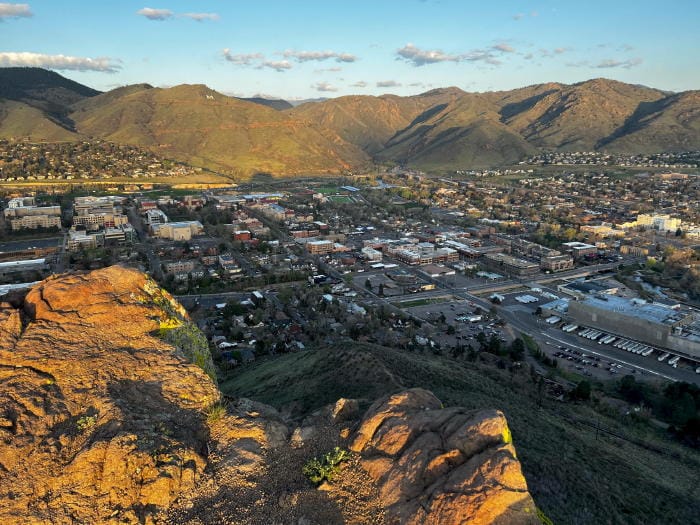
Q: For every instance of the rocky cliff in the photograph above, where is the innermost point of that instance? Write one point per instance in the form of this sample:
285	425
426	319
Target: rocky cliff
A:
109	414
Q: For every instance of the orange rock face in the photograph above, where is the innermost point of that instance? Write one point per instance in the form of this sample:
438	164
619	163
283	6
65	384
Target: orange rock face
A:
99	419
437	465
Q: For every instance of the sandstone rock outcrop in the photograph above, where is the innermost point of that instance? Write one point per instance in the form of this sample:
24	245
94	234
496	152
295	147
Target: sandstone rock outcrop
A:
437	465
101	420
105	418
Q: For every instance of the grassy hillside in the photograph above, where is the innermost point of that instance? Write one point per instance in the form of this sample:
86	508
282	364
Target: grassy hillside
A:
576	117
574	477
464	133
278	104
668	124
442	129
22	120
370	122
44	90
198	125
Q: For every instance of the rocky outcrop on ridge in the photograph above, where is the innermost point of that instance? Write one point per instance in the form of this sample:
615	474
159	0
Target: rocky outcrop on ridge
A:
442	465
106	418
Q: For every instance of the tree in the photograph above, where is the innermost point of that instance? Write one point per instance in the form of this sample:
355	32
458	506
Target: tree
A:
450	330
582	391
517	350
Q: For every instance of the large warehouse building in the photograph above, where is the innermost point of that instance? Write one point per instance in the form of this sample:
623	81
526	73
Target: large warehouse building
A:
646	322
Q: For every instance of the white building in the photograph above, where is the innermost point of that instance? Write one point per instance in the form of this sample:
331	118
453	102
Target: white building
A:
177	231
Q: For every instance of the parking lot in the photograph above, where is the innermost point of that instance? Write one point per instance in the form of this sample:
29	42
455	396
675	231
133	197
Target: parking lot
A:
466	317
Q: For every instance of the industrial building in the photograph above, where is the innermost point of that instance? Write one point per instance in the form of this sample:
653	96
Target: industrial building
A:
11	267
501	262
649	323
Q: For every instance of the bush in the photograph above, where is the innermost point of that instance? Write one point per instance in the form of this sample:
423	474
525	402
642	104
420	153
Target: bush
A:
85	423
215	412
325	469
193	345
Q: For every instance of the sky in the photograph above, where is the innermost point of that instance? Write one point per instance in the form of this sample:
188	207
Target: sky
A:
298	49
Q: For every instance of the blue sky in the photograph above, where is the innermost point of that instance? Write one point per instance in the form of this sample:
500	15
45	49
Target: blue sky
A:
302	49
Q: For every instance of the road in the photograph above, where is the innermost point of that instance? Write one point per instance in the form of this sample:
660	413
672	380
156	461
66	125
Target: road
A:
144	245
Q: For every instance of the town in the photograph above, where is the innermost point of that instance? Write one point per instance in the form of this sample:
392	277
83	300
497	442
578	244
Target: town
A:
587	276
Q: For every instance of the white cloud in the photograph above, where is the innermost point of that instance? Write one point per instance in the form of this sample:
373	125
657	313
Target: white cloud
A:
480	55
324	87
15	11
359	84
243	59
503	47
420	57
556	51
625	64
60	62
306	56
201	17
155	14
278	65
388	83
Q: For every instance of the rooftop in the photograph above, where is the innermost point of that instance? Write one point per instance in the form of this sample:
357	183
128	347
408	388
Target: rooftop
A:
635	308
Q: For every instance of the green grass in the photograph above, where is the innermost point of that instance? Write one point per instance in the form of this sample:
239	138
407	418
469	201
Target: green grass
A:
420	302
340	198
574	477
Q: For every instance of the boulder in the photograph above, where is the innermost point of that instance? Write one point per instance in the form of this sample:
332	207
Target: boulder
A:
435	465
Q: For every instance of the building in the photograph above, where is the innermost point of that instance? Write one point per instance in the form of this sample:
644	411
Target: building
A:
500	262
178	231
93	221
556	263
579	249
32	222
649	323
602	230
659	222
27	265
370	254
320	247
582	288
122	234
437	270
27	211
146	205
82	239
109	204
21	202
242	235
228	265
174	267
156	216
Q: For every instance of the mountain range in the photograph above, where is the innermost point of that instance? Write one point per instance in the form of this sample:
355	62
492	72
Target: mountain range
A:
443	129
